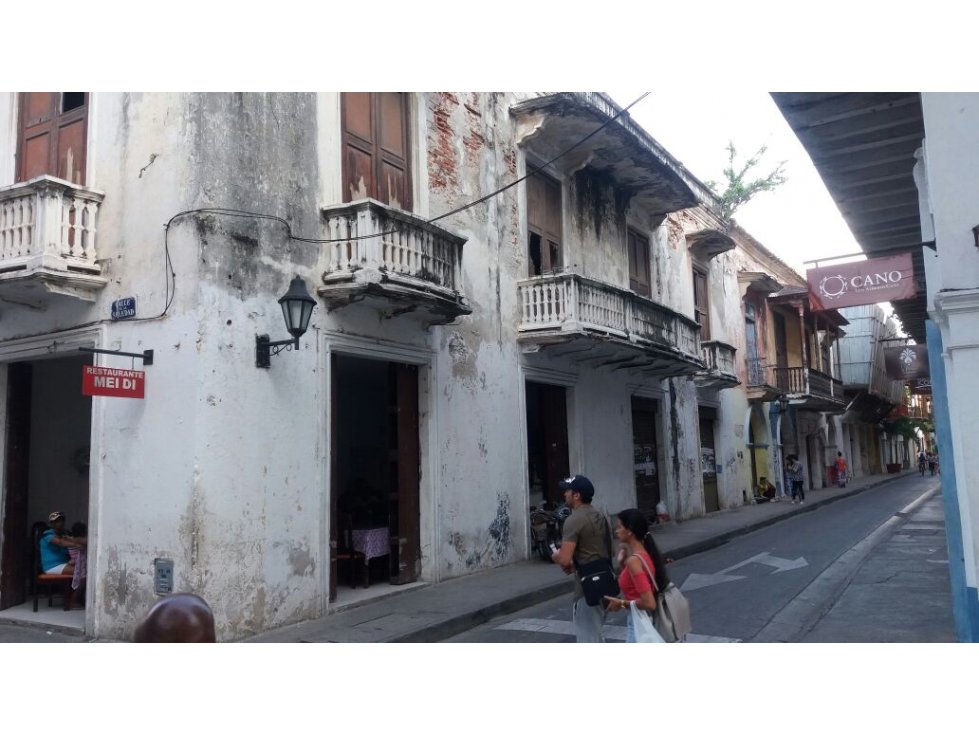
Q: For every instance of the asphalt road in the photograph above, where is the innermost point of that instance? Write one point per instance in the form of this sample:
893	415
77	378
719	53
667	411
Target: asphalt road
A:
812	577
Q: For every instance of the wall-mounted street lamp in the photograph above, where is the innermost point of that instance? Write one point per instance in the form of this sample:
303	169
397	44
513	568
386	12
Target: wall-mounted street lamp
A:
297	307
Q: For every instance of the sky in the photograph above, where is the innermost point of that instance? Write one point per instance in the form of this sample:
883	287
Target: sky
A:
797	221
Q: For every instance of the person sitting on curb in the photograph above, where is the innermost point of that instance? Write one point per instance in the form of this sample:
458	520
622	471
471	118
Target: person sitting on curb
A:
177	618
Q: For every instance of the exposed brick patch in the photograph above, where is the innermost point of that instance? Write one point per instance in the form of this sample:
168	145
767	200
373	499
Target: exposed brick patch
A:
442	162
510	159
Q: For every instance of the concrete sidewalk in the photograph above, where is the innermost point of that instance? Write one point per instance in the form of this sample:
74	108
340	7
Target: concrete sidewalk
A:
432	613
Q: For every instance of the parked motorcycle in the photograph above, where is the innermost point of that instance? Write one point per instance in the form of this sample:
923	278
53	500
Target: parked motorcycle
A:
546	527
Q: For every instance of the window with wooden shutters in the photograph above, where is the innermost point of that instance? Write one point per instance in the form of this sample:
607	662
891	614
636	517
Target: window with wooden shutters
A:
544	224
701	311
52	134
376	148
639	264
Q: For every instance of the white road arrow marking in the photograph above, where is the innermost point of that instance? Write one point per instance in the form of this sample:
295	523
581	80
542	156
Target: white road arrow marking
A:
780	564
702	580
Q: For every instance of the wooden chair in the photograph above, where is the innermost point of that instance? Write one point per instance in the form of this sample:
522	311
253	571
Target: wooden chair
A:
51	582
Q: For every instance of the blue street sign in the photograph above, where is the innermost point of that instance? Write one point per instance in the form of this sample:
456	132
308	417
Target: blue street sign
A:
124	308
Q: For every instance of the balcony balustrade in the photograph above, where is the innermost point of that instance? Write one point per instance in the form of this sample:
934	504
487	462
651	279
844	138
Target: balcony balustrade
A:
634	332
48	242
721	371
394	258
809	388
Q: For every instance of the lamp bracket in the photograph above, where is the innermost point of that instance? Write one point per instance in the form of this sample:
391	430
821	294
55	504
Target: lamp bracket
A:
264	349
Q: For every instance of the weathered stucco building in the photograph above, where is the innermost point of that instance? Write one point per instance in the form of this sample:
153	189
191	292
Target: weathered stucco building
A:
459	360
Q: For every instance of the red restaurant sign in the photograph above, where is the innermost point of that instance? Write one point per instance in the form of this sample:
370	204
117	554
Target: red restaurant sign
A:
113	383
861	283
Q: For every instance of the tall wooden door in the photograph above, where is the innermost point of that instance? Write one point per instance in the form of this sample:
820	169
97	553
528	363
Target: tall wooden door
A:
405	509
376	148
645	455
708	459
13	565
52	135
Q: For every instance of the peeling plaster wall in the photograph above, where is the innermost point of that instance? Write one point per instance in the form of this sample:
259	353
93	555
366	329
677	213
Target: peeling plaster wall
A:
482	497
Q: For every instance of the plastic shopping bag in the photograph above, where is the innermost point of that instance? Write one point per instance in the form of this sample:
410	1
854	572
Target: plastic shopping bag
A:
642	625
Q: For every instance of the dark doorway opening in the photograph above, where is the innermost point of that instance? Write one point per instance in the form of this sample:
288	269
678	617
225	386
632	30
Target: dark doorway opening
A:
646	455
48	426
547	442
375	468
708	459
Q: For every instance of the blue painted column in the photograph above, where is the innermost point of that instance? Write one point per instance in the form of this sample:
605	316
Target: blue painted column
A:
965	602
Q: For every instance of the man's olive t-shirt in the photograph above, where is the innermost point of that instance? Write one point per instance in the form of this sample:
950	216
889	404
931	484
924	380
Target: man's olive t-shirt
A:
586	528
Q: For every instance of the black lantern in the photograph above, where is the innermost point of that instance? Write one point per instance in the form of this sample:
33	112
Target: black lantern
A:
297	307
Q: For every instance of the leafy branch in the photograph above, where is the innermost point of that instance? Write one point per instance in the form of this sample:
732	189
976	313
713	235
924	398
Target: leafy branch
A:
738	189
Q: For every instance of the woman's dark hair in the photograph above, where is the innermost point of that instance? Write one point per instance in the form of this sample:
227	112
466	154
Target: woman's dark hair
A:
634	521
79	530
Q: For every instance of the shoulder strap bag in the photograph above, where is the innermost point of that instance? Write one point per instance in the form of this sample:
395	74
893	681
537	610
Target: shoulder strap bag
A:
598	577
672	615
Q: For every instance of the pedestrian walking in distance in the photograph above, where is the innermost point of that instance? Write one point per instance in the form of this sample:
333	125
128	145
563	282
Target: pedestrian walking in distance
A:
638	557
586	538
840	469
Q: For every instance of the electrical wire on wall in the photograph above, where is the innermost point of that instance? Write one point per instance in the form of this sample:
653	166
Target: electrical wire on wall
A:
170	274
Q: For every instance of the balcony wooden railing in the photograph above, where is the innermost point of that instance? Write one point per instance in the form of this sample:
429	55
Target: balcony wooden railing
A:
807	381
48	223
759	373
568	302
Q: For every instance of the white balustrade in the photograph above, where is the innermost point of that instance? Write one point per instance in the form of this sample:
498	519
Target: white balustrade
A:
570	302
373	236
47	222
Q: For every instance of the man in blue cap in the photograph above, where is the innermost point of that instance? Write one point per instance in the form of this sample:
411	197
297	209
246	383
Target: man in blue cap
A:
586	538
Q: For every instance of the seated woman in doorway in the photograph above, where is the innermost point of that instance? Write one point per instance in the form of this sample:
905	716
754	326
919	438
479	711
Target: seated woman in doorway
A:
55	547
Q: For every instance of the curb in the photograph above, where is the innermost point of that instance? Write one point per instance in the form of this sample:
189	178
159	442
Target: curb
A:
45	627
462	622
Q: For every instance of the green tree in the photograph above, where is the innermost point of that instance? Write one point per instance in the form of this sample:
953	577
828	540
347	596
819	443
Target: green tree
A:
738	189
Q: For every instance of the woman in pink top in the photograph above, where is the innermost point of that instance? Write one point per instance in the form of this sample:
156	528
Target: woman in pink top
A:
638	558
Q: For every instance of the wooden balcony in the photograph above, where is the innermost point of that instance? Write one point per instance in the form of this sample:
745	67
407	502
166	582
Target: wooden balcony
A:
48	244
393	261
810	389
761	386
604	325
721	372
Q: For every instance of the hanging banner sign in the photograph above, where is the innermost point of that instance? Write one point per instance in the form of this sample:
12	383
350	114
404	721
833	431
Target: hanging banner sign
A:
107	382
908	362
920	386
861	283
